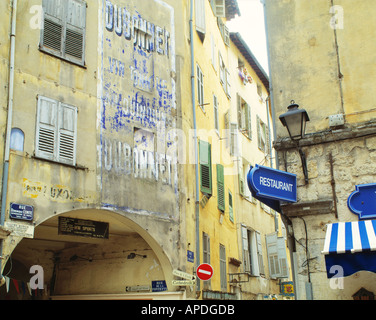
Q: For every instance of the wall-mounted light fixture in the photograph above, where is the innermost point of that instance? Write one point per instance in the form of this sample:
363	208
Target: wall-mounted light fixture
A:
295	120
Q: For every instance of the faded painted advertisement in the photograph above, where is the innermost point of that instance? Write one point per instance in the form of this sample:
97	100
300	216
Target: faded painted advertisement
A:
137	160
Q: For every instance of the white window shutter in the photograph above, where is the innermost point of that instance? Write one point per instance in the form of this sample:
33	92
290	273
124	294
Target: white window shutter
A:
246	255
75	30
259	253
228	84
282	257
219	8
234	139
200	16
67	134
271	245
46	136
52	31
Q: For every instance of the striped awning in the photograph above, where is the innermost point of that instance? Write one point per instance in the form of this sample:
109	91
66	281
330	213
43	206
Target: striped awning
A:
351	245
351	237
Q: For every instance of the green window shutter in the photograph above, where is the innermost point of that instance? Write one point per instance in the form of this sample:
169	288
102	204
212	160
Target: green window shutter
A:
205	167
221	187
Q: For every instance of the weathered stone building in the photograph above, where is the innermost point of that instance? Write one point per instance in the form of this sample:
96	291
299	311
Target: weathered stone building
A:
321	56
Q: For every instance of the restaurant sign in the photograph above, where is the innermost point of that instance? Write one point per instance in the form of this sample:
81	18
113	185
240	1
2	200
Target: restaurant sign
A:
272	184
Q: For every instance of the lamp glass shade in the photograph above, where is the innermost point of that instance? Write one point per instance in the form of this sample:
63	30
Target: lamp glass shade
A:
295	121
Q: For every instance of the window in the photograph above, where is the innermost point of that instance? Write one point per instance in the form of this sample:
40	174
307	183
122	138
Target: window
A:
205	167
277	257
224	76
262	136
200	87
216	120
222	267
63	32
244	167
56	131
230	208
17	138
244	117
206	254
200	17
252	252
221	187
218	7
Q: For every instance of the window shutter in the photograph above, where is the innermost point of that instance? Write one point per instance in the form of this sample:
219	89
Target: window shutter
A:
234	139
245	245
216	119
52	32
75	30
46	136
259	254
206	248
219	8
259	140
221	187
226	36
282	257
239	105
248	121
64	29
67	134
205	167
222	267
228	85
241	178
200	16
230	209
271	244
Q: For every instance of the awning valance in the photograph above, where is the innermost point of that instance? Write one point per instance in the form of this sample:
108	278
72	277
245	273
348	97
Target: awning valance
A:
350	246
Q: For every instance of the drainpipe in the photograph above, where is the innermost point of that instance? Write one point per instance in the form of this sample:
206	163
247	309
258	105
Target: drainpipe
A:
9	122
197	200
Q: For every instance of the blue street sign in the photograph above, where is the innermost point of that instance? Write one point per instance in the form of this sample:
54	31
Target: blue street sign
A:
21	212
190	256
362	201
158	286
272	184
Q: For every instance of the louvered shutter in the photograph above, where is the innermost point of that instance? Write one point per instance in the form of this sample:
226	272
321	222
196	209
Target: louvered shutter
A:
259	254
271	245
67	134
221	187
75	30
205	167
282	258
241	178
219	8
53	30
64	29
245	245
248	120
46	135
234	139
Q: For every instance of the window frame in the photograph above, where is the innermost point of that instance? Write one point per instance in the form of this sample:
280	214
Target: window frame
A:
61	19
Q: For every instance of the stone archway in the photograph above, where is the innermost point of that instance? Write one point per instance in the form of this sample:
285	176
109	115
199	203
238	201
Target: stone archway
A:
76	265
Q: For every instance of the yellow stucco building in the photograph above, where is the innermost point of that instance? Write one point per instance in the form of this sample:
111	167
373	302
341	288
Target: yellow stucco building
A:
108	190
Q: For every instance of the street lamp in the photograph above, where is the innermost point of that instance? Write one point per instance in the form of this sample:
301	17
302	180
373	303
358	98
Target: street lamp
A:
295	120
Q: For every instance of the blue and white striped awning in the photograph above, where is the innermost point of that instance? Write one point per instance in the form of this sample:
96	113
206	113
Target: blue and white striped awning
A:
351	237
351	245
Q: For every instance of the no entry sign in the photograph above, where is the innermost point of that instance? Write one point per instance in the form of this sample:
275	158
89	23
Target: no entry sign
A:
204	272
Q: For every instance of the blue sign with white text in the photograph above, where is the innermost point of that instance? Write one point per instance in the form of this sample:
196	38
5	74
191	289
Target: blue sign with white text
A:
21	212
272	184
362	201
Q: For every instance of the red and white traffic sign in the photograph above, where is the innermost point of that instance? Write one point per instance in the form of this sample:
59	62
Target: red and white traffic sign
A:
204	272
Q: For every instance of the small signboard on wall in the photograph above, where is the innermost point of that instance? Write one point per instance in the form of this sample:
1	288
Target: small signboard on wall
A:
83	228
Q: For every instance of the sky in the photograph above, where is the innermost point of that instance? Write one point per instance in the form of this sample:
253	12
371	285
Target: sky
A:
251	27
